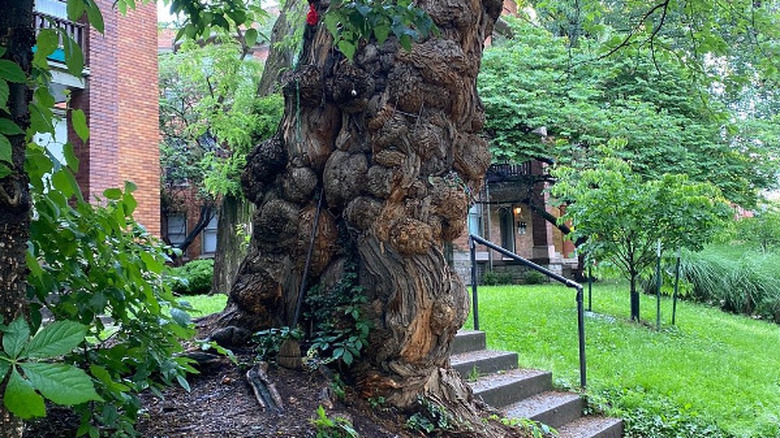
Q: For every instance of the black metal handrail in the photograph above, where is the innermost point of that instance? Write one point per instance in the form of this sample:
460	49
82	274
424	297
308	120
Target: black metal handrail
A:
474	239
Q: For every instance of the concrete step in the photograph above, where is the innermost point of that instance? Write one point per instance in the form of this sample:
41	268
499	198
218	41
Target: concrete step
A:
484	361
499	390
592	427
468	340
552	408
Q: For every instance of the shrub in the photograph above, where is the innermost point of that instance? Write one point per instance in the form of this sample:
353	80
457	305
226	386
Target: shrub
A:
193	278
494	278
534	277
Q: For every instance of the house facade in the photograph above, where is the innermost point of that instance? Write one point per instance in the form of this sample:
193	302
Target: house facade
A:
118	93
513	210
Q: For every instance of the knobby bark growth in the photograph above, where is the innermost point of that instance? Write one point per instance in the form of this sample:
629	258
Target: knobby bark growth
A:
17	38
391	142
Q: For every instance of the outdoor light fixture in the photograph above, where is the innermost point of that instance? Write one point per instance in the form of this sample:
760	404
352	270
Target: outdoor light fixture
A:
517	211
522	227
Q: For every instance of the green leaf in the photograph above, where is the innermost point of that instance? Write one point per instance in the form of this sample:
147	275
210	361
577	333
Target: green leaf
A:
11	72
4	367
79	121
64	181
16	335
21	399
75	9
61	383
112	193
381	32
8	127
74	58
6	150
47	43
95	17
4	93
70	157
347	48
56	339
5	170
250	37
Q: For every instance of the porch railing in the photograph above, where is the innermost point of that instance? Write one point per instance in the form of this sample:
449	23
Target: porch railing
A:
474	240
77	31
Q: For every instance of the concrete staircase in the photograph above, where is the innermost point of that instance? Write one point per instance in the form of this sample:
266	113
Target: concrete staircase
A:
494	376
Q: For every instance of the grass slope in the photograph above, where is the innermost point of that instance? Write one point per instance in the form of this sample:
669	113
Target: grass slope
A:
723	367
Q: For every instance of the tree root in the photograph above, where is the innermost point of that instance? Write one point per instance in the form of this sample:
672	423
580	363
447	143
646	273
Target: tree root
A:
265	391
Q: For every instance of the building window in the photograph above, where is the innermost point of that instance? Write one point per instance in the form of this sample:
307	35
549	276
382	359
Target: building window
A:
476	224
177	229
209	239
54	8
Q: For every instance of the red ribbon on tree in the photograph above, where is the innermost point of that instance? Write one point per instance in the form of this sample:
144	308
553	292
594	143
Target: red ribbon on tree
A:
312	17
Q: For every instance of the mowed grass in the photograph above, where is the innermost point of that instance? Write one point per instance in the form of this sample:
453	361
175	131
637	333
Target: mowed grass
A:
205	304
723	367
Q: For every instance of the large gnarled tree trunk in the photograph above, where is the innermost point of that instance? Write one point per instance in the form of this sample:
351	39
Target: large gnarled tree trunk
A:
392	142
17	38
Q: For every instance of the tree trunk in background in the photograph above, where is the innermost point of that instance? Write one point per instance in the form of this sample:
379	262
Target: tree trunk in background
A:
236	211
391	139
18	38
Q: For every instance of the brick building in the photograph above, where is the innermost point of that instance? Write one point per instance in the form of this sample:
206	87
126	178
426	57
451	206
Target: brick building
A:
118	93
512	212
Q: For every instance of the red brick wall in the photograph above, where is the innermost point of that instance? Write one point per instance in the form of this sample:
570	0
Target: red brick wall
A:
122	110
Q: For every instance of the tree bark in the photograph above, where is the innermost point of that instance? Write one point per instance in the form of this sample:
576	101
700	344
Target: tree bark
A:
235	211
391	141
634	298
18	38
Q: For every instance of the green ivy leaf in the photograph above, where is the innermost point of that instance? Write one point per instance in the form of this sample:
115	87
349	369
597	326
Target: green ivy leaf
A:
6	150
21	399
79	121
47	43
56	339
4	367
11	72
16	335
4	93
381	32
5	170
61	383
347	48
8	127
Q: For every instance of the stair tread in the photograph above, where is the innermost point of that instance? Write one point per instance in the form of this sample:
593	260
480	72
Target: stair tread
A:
473	356
490	381
539	404
591	427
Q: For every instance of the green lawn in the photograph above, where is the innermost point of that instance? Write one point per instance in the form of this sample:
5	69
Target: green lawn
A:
722	367
205	304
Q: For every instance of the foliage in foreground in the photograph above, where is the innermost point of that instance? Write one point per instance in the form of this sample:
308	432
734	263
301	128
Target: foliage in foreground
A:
722	367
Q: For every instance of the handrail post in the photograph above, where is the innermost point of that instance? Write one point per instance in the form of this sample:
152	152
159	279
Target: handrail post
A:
474	297
581	333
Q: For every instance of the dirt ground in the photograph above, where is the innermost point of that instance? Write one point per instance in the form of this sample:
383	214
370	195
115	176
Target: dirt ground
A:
221	404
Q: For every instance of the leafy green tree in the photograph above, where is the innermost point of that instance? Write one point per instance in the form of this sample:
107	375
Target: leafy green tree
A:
763	229
622	216
673	124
